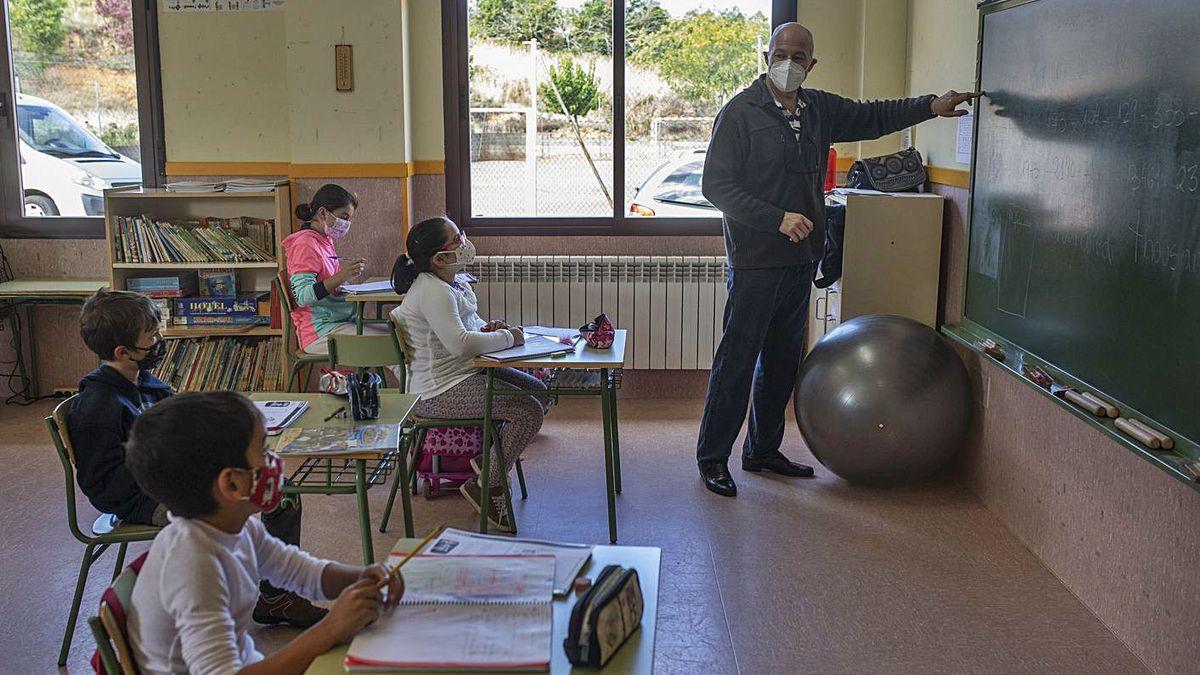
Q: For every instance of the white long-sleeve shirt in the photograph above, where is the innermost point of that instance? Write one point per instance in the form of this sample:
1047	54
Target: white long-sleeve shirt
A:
194	597
442	326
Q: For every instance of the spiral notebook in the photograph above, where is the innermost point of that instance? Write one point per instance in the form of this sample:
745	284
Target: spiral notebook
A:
464	613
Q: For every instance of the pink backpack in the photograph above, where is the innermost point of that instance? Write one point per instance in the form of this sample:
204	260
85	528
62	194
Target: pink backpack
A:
445	455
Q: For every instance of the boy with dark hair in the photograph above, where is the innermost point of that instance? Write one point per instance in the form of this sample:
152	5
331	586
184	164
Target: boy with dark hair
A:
203	456
122	329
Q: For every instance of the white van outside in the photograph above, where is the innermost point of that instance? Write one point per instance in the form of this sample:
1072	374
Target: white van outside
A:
64	167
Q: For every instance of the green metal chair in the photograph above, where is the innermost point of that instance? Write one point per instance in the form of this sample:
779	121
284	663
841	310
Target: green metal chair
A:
368	351
107	530
299	358
415	435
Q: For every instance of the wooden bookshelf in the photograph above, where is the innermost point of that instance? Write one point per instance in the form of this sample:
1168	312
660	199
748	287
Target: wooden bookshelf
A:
252	277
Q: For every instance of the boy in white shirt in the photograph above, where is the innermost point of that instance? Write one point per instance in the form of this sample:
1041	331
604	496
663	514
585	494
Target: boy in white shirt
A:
202	455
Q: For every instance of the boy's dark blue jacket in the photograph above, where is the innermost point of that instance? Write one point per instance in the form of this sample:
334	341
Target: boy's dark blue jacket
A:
99	425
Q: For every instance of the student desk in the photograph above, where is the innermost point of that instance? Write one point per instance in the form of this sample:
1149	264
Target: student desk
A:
394	408
635	656
29	292
584	357
381	299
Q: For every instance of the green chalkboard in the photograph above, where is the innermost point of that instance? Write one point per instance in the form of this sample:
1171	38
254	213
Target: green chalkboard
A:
1085	209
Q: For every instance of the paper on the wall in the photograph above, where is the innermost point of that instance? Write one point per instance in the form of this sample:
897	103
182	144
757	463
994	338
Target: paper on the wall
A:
223	5
965	138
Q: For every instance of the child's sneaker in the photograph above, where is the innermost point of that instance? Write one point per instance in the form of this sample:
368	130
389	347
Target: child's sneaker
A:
287	608
498	515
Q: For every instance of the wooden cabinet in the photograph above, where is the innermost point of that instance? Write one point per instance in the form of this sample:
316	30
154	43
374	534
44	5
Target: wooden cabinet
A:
890	264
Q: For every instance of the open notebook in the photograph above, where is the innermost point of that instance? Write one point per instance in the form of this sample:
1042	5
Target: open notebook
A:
535	347
464	613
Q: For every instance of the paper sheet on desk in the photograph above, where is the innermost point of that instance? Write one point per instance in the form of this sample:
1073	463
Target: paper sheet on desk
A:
535	347
569	559
495	579
384	286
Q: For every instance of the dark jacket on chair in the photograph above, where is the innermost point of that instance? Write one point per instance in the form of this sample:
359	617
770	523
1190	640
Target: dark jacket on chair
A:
99	425
755	169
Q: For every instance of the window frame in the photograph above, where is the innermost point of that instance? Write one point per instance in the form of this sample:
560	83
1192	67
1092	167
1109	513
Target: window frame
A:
14	224
456	111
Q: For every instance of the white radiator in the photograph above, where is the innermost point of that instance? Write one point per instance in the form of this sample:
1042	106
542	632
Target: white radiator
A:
671	305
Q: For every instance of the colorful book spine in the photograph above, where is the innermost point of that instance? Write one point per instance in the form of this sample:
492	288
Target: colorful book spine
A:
222	320
252	305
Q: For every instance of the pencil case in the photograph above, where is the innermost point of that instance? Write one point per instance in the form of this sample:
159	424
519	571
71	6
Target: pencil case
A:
604	618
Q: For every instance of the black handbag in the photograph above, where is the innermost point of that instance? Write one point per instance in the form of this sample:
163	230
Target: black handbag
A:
902	171
604	617
363	387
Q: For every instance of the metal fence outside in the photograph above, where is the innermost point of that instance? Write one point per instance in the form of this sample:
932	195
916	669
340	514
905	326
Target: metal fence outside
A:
506	181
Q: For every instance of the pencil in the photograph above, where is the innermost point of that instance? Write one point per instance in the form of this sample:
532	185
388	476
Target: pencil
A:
335	413
392	573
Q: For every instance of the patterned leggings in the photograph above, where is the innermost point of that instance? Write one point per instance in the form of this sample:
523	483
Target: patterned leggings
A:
522	415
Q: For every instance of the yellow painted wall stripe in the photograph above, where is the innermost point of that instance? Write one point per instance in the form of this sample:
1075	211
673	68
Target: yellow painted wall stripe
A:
378	170
944	176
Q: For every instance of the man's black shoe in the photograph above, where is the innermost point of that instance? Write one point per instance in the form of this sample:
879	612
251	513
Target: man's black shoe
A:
777	463
717	479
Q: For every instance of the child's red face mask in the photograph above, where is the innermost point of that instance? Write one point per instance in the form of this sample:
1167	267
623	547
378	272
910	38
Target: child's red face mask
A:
267	489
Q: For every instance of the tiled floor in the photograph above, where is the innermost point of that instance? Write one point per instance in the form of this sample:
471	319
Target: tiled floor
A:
792	576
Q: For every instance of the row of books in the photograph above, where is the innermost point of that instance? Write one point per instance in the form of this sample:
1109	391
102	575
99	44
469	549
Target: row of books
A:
186	283
212	363
138	239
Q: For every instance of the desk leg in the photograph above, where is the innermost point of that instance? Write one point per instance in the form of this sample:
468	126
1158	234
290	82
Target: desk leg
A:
406	494
358	316
616	435
364	511
484	481
32	376
606	408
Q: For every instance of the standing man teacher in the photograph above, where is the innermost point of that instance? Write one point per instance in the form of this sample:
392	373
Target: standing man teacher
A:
765	171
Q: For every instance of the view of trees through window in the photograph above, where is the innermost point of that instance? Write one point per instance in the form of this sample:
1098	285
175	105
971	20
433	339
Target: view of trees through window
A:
541	96
77	108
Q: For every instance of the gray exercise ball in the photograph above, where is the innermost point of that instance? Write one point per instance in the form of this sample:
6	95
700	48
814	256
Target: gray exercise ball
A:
883	400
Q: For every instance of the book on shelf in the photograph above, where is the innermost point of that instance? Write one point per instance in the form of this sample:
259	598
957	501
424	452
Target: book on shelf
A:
139	239
241	363
164	312
252	185
220	321
192	186
256	305
167	285
218	283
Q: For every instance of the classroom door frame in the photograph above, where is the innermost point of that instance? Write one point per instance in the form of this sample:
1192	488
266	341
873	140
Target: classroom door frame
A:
148	68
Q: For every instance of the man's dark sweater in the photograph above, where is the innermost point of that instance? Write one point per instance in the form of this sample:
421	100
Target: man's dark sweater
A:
101	417
755	170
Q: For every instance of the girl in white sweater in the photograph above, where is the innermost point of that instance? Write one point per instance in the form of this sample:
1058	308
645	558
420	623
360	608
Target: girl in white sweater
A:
444	333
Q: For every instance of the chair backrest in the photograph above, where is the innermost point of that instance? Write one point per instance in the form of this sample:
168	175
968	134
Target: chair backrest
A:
58	424
114	614
402	342
364	351
284	291
60	431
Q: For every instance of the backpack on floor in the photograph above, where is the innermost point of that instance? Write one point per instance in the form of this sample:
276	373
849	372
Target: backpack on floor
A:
445	455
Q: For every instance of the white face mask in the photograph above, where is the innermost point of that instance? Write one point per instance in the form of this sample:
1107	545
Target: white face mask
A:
787	76
463	255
